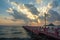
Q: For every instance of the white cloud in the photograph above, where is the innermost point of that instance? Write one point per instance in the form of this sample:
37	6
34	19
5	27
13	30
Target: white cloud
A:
10	10
44	9
14	3
38	1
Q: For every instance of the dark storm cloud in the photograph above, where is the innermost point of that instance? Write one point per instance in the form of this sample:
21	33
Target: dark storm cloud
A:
54	16
32	9
19	15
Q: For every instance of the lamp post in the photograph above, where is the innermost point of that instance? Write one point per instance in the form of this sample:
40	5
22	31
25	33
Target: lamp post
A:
46	15
45	19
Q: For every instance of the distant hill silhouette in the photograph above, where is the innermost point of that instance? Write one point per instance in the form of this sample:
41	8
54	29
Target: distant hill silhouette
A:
51	24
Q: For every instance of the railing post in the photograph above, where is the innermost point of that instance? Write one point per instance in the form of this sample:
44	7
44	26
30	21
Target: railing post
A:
56	31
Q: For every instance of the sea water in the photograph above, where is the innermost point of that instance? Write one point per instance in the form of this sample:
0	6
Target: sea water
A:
13	32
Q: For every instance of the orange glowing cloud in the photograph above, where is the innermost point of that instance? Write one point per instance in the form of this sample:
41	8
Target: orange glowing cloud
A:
38	23
57	22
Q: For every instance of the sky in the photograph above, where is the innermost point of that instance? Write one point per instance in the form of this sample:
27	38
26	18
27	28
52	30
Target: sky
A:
29	12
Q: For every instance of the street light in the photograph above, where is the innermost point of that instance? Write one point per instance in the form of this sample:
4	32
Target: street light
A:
45	19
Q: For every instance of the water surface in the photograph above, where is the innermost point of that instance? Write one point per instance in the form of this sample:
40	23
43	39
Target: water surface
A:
13	32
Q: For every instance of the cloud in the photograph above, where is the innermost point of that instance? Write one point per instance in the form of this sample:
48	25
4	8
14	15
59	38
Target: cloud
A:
26	9
14	3
38	23
29	13
19	15
10	17
38	1
57	22
32	9
54	16
44	10
10	10
10	22
24	12
27	18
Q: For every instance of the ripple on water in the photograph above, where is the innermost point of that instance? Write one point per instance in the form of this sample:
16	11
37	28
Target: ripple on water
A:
16	32
11	32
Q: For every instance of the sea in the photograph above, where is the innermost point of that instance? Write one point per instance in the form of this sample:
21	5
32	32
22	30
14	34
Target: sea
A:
14	32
